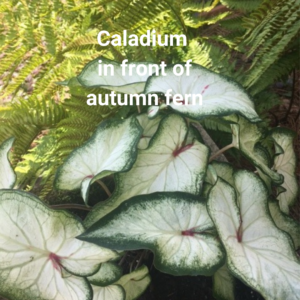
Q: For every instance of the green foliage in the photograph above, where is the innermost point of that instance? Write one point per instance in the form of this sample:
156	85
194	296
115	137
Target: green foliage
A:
245	5
273	36
171	196
156	204
46	42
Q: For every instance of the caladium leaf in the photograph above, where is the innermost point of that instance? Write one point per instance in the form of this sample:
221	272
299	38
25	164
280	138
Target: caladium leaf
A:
258	252
7	174
39	251
175	226
149	128
130	84
168	164
223	284
214	170
110	292
285	223
112	148
135	283
107	274
224	171
247	136
265	158
285	164
220	96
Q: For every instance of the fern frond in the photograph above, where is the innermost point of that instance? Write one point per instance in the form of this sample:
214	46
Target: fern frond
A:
245	5
216	124
271	31
281	68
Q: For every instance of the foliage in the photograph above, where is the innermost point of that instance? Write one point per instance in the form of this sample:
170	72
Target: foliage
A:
197	215
42	43
45	42
193	212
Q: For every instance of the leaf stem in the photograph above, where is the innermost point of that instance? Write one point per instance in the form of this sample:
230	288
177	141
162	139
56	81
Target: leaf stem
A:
140	260
220	152
123	259
103	185
70	206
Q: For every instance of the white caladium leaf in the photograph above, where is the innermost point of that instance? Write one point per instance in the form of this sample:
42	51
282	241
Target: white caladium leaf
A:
7	174
246	136
153	111
285	223
224	170
39	251
168	164
135	283
129	84
110	292
107	274
285	164
258	252
223	284
112	148
220	96
149	128
214	170
175	226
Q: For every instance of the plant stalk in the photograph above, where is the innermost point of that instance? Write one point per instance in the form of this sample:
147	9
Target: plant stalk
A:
105	188
220	152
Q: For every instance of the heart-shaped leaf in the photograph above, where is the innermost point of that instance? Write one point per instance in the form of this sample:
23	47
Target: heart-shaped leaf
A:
7	174
175	226
112	148
220	96
107	274
110	292
223	170
135	283
285	164
223	284
257	251
130	84
39	251
168	164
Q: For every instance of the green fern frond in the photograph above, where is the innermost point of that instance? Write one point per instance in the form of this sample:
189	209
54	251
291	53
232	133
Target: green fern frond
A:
281	68
265	100
216	124
245	5
195	21
12	58
213	57
271	31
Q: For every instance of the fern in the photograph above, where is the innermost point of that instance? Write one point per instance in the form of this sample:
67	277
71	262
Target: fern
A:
26	120
278	70
271	32
245	5
49	42
216	124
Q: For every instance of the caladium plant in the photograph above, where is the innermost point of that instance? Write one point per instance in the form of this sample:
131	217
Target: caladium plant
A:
171	196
